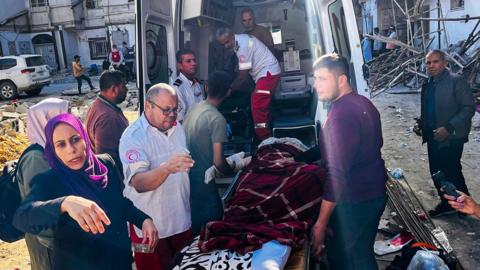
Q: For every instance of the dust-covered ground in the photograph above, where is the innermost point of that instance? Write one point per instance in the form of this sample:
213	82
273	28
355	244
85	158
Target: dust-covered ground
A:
402	149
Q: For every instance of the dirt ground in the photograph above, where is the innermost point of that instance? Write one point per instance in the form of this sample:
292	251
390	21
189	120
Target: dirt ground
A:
402	149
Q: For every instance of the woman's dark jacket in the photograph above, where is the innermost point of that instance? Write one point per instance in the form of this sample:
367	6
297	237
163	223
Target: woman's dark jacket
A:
74	248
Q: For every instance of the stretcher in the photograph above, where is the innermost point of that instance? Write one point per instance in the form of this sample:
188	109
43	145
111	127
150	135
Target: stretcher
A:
299	259
192	258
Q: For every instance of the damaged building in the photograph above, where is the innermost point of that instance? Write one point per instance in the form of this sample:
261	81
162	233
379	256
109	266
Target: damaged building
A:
421	26
59	29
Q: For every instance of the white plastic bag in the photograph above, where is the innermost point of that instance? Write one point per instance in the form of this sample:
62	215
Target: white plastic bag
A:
427	260
272	256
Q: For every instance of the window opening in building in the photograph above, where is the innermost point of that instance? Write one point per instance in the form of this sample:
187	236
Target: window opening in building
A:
93	4
98	48
38	3
457	4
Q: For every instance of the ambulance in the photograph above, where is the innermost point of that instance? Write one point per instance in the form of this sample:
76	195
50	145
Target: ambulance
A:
302	30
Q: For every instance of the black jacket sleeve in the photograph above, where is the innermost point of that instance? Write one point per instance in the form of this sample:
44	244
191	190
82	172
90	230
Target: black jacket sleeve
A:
466	102
133	214
41	208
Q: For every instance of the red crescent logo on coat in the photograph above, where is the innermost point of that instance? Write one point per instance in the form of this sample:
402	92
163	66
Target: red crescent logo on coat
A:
132	155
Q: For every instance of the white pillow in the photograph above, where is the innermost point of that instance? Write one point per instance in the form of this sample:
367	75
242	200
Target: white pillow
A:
272	256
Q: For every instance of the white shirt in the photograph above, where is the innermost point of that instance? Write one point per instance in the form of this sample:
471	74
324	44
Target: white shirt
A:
143	148
189	93
253	55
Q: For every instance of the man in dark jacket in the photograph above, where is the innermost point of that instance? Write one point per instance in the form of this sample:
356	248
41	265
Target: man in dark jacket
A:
446	117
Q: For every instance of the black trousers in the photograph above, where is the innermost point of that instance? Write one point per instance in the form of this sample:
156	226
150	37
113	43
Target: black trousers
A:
79	82
447	159
354	228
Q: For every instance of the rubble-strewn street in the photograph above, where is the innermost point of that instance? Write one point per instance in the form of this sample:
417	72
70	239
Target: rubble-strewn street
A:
302	57
13	113
402	149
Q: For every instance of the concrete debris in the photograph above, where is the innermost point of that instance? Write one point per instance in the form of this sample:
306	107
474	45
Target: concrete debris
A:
411	214
13	120
406	64
12	144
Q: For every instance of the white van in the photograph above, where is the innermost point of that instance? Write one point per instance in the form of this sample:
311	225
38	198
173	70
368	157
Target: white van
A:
303	30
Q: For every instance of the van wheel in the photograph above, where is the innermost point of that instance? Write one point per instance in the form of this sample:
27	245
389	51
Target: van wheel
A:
34	92
8	91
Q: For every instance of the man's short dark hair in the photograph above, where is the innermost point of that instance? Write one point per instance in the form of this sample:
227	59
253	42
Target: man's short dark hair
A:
111	78
76	56
376	29
218	84
440	53
247	10
223	31
183	52
334	63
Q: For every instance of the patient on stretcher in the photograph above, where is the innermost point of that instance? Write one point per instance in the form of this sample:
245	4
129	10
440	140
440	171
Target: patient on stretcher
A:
276	198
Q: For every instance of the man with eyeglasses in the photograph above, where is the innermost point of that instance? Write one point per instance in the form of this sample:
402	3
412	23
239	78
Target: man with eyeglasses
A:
155	165
189	89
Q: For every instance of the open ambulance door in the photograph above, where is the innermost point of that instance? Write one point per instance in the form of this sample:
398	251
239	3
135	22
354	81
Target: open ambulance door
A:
339	33
156	43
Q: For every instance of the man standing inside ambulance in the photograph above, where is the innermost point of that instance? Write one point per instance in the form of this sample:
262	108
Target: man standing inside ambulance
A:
253	29
256	59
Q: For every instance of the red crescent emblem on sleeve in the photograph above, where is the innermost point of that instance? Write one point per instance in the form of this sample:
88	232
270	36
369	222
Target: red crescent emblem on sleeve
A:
132	155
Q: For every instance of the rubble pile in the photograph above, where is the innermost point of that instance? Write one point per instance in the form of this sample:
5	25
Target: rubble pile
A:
411	217
12	145
406	64
395	67
13	140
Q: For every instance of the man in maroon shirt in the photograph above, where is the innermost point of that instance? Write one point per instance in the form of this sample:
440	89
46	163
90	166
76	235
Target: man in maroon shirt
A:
105	120
355	196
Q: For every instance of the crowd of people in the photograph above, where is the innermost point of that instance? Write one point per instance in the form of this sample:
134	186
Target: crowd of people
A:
373	48
81	185
118	58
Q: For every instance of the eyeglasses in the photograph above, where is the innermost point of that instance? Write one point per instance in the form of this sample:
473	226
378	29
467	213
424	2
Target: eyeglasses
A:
167	112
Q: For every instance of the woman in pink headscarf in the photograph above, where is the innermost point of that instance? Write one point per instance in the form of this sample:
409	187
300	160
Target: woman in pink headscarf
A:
80	199
32	163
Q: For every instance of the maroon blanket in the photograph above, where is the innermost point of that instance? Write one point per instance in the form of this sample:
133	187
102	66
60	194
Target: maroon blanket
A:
275	198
